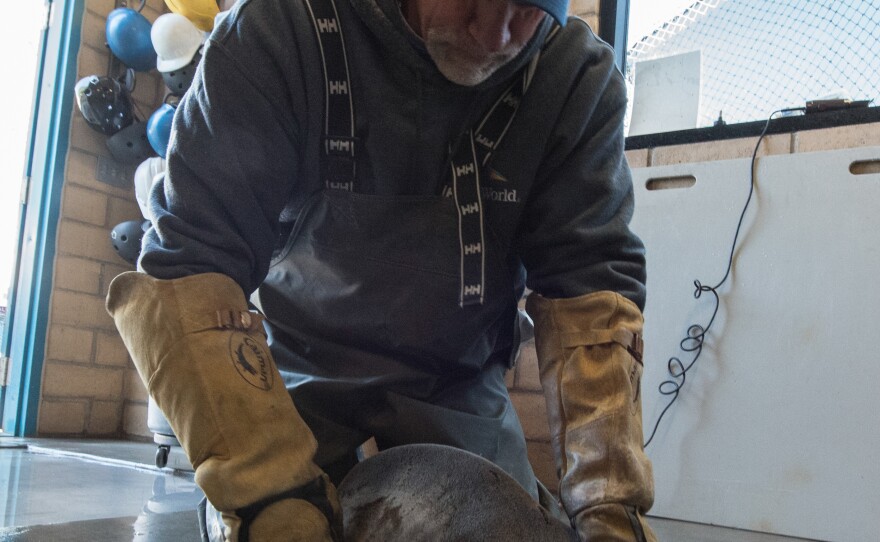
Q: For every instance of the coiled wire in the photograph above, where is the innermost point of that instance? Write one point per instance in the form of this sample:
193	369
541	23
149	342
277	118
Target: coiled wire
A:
696	334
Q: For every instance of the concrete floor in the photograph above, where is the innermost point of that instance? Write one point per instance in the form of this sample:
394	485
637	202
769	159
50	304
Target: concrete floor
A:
96	491
111	491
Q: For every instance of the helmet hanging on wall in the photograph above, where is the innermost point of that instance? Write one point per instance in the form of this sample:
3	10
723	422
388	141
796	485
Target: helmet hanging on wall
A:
128	35
176	40
130	145
146	175
126	239
179	81
159	128
178	43
200	12
104	103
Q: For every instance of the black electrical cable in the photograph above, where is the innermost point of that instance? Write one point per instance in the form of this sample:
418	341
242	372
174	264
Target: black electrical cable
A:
696	334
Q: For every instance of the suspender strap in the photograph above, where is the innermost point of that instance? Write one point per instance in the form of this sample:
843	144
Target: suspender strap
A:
469	204
338	157
471	156
494	125
468	161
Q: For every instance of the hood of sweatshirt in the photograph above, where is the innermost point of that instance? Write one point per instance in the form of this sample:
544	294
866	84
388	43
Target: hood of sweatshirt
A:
387	24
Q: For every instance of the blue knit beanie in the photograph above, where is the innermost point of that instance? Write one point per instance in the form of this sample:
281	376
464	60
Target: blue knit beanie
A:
558	9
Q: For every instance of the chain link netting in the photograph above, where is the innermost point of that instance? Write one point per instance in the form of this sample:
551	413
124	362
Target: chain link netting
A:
762	55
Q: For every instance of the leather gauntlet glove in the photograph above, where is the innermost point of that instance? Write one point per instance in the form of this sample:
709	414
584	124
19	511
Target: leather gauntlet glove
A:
589	354
205	360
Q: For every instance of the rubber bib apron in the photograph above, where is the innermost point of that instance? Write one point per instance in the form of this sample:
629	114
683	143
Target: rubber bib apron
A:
366	327
395	316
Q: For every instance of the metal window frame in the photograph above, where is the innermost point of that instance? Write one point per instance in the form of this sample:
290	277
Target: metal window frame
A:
28	313
614	28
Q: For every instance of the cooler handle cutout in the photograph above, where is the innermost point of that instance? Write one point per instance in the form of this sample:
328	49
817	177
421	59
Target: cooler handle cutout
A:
671	183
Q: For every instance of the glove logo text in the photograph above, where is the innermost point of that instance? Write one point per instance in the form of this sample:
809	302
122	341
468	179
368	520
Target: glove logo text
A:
251	361
635	382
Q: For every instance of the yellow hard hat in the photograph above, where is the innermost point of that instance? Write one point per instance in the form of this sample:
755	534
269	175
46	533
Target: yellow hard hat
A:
200	12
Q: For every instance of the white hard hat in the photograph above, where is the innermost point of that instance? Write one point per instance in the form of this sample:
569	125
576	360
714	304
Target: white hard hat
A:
176	41
146	175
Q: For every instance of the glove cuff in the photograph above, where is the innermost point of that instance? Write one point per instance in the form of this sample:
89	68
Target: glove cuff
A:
205	360
613	522
589	356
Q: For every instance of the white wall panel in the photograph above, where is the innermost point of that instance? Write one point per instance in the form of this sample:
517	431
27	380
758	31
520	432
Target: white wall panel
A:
778	426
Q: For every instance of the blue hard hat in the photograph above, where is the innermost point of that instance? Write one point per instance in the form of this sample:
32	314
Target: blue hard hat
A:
159	129
128	35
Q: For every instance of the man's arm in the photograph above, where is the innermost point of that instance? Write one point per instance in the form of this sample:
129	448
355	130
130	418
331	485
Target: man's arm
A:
233	157
587	272
201	353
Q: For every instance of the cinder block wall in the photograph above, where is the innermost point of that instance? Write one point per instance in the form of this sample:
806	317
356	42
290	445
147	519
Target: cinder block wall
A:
842	137
588	10
524	386
89	385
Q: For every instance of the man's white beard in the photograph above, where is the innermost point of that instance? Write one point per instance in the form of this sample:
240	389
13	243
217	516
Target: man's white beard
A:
449	50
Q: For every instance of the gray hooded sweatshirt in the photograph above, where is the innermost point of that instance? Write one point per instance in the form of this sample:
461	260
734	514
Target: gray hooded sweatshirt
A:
245	149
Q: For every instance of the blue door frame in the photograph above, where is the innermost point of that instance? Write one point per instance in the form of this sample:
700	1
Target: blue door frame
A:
28	314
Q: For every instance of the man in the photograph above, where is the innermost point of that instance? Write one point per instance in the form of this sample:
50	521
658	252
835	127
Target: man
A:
383	179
